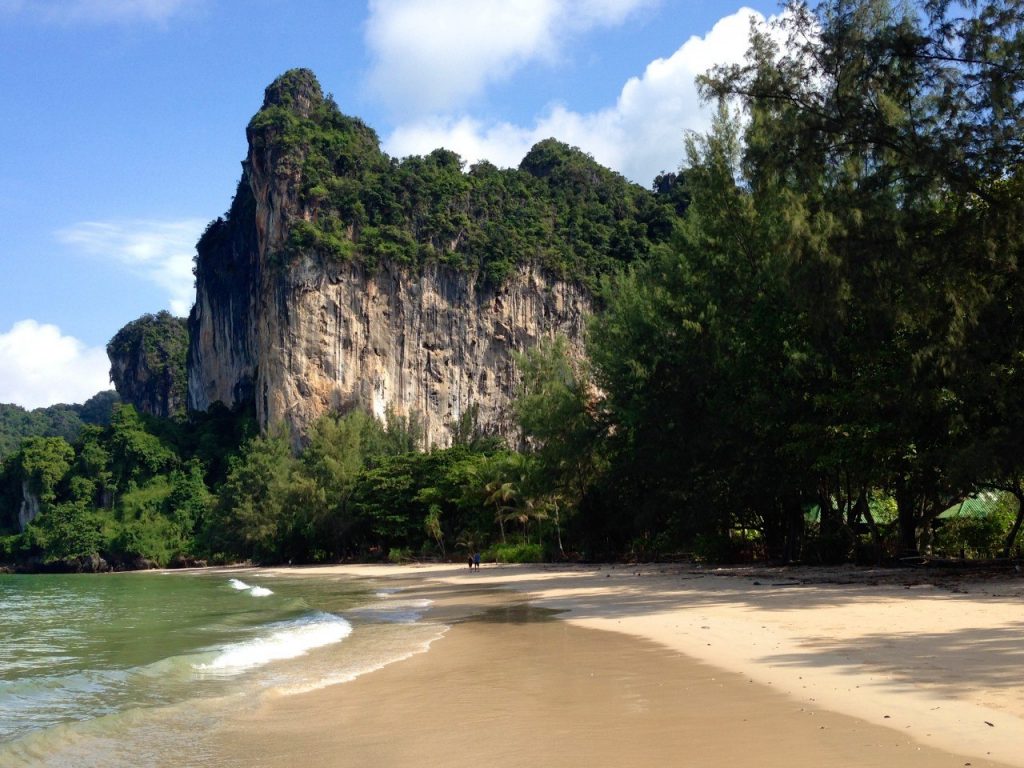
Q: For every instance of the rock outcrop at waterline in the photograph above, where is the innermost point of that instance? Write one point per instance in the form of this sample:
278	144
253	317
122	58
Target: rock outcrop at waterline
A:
340	276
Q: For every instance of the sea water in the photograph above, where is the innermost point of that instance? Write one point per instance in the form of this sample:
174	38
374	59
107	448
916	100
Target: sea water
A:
136	668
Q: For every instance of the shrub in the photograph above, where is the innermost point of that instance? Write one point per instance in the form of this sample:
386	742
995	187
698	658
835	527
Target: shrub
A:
9	546
399	555
971	537
515	553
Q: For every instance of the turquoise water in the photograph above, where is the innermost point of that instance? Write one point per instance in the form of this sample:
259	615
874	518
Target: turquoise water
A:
134	669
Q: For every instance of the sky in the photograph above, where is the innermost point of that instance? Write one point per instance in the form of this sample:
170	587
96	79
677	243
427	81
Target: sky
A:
123	127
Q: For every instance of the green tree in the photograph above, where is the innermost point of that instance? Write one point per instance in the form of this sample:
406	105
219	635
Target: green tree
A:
557	411
68	531
136	454
251	513
889	126
698	355
44	462
339	448
188	504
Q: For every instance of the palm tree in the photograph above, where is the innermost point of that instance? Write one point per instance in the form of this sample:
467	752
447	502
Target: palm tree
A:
510	492
503	496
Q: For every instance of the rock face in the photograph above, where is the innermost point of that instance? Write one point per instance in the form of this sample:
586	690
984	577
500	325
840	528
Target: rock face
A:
147	364
320	337
307	334
427	343
29	509
222	356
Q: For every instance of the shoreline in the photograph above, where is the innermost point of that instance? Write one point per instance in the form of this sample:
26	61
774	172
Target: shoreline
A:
933	665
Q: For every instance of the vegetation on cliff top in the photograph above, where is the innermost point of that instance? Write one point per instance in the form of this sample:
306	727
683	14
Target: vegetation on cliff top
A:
560	209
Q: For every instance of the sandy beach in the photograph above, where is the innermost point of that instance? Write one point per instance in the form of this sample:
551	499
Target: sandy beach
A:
627	665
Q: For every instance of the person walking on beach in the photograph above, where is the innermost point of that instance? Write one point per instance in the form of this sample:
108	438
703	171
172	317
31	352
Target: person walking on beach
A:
476	560
469	561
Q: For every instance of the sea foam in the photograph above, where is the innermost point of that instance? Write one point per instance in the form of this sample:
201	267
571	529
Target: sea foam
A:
401	611
254	591
284	640
431	633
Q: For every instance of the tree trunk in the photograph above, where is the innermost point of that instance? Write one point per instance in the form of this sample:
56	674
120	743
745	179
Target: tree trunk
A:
1011	537
558	532
863	509
774	531
908	534
831	518
794	529
906	517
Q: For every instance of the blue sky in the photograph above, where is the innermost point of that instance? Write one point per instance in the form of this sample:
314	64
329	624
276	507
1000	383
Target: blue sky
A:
123	125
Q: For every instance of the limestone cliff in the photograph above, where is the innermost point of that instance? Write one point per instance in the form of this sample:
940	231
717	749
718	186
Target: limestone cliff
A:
222	324
430	342
29	507
148	364
340	276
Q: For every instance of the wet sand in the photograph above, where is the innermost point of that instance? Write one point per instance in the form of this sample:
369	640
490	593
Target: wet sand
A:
514	685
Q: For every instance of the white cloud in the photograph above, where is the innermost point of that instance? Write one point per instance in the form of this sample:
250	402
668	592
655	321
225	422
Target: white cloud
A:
158	251
40	366
639	136
434	54
97	10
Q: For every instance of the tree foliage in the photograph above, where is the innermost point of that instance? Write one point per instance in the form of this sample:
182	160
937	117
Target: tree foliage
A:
139	490
67	421
843	274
